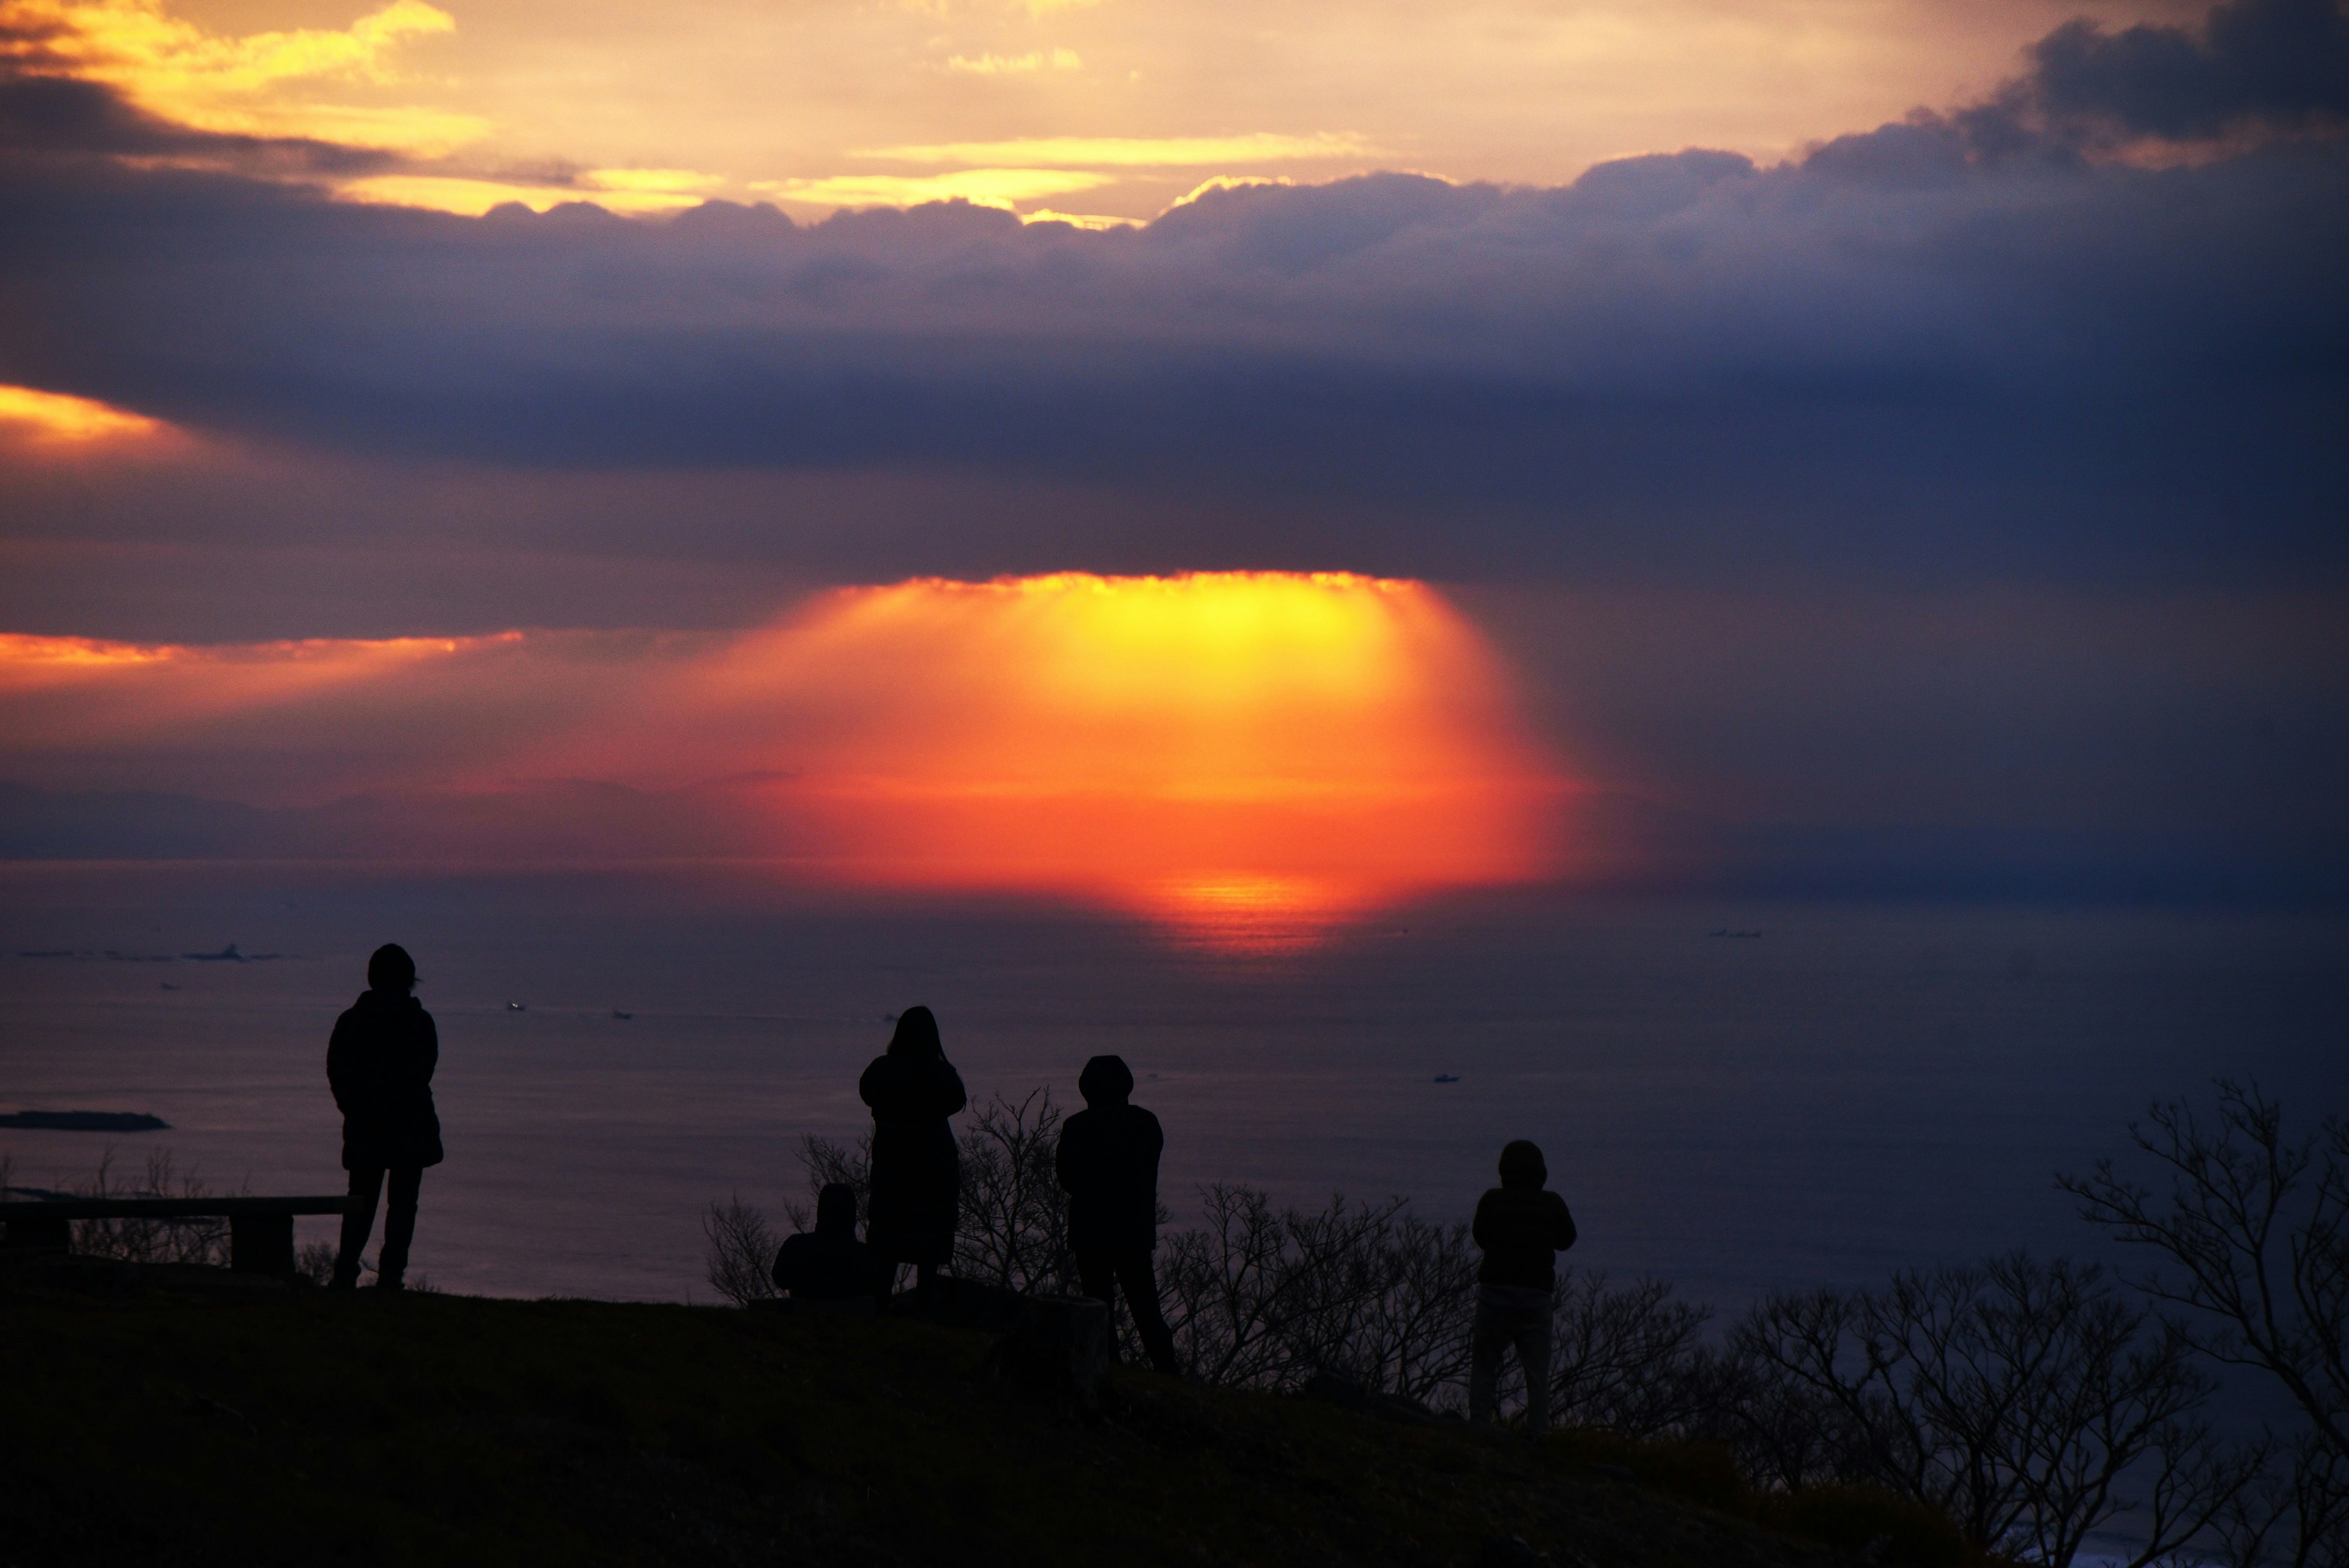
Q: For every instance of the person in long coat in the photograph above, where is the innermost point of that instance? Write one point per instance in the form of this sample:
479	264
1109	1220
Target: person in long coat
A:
1108	1164
379	1065
916	1173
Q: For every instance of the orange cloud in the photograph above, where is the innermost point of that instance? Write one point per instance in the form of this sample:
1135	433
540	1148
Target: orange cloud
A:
65	693
1212	748
60	419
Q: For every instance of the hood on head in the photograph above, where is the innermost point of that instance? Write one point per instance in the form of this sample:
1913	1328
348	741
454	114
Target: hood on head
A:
1106	1081
1522	1165
836	1209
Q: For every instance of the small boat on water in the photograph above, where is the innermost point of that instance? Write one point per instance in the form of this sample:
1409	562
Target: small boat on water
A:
1447	1077
623	1017
517	1007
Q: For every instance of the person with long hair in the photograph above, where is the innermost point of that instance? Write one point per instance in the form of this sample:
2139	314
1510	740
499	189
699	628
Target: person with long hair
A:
916	1173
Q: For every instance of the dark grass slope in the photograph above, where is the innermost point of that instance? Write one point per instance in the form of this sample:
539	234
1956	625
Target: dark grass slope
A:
163	1416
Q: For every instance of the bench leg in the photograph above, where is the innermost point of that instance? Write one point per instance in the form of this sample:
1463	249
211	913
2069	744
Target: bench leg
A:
37	1235
260	1243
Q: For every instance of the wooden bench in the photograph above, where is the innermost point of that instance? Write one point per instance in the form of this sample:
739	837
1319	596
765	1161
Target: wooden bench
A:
260	1229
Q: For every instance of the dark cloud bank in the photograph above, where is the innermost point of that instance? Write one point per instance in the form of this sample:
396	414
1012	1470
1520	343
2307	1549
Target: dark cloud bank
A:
1970	342
2087	338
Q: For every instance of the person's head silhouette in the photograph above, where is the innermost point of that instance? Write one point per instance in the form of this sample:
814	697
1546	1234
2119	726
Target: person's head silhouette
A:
1522	1165
917	1036
1106	1081
392	970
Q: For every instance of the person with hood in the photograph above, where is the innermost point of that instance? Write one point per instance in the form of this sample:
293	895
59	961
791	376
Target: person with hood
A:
1108	1164
1522	1227
829	1264
379	1065
916	1173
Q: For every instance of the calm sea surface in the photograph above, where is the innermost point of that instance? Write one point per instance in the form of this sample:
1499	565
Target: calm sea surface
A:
1860	1087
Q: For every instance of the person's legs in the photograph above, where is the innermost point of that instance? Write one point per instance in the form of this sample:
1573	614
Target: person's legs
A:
1139	1280
1533	1359
398	1225
358	1219
1097	1277
1487	1338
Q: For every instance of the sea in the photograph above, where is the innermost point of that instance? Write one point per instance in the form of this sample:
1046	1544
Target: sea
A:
1735	1095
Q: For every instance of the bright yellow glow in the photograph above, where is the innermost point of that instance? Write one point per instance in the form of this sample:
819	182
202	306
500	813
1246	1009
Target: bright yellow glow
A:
1132	152
1016	65
1195	746
174	69
56	417
980	187
1095	221
666	181
472	198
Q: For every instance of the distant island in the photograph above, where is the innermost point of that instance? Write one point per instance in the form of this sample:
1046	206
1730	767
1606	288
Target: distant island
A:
86	1121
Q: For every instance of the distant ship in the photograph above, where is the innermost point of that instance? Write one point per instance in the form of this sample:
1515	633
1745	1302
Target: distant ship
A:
229	955
1447	1077
1747	936
517	1007
623	1017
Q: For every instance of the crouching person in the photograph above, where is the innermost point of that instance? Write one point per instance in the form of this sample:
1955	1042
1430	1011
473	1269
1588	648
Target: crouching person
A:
828	1264
1522	1227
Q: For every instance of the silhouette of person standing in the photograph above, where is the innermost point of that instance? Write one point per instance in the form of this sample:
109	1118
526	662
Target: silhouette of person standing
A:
1108	1164
379	1065
829	1263
917	1174
1522	1228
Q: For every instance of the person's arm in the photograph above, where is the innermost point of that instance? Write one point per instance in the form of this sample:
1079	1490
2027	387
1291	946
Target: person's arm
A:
1562	1234
787	1271
1480	1231
868	1086
1064	1157
339	1046
431	1052
952	1097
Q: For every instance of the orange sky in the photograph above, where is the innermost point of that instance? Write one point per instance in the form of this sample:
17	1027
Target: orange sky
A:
1305	744
1093	107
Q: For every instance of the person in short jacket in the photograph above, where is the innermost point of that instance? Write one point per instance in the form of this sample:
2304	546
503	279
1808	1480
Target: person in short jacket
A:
379	1065
917	1171
828	1263
1108	1164
1522	1227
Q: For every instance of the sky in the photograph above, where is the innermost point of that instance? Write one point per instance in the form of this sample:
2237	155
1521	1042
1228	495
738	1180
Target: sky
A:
1820	446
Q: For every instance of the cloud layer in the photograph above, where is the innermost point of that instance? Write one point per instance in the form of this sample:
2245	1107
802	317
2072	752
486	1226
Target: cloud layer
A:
1951	345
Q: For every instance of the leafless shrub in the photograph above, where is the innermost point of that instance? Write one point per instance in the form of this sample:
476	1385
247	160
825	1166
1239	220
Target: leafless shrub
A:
740	1251
203	1242
1014	1224
2251	1239
2030	1402
315	1261
1630	1359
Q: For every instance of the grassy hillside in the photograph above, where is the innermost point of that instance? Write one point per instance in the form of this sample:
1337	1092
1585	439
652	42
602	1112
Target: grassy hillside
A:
180	1417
